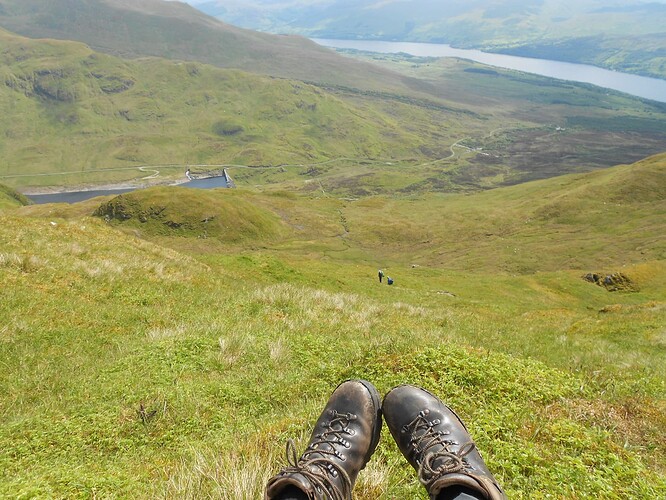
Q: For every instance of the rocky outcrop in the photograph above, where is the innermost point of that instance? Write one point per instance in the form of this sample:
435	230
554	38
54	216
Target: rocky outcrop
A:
615	282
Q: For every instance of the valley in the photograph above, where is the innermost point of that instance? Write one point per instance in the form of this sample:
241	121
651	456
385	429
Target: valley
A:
623	36
116	118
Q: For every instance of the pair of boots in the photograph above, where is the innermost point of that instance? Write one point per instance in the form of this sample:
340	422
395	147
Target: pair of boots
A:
429	434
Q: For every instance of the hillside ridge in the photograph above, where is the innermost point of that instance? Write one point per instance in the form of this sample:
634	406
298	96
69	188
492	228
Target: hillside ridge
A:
600	221
176	30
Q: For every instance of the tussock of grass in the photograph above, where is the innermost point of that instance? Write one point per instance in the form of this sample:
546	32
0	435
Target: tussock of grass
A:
25	263
10	198
194	213
240	474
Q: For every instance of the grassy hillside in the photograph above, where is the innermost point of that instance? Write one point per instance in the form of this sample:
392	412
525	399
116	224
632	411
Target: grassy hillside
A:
639	54
87	117
154	362
193	213
166	343
596	222
175	30
11	198
628	37
537	127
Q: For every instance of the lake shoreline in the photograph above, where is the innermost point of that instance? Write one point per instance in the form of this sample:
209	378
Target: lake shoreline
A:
641	87
53	194
519	51
81	188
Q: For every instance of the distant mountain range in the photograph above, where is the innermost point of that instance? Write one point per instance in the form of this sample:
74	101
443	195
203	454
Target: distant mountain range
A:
627	35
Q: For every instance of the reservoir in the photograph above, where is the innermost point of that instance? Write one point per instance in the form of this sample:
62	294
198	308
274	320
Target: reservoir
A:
76	196
640	86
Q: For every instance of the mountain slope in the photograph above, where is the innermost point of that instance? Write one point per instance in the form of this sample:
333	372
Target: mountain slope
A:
600	221
69	111
10	198
73	116
177	31
134	370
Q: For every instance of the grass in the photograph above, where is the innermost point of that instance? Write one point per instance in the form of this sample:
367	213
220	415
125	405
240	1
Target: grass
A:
10	198
192	213
170	344
555	119
117	116
176	366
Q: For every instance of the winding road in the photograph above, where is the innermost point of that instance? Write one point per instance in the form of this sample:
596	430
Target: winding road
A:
154	170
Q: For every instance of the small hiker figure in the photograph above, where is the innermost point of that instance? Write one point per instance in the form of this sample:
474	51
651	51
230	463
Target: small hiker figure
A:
389	280
381	275
187	174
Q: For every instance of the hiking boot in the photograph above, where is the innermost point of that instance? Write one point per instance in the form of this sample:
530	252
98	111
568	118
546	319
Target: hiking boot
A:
436	443
342	442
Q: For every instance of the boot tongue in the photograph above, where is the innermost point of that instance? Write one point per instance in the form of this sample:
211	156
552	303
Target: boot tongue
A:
486	487
450	480
297	480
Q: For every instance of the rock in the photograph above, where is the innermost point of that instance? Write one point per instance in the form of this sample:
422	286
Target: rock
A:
612	282
592	277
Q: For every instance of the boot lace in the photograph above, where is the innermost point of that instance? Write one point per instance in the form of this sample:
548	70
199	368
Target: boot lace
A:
441	460
319	464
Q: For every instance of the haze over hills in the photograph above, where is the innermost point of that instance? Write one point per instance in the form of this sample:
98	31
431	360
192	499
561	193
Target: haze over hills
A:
626	35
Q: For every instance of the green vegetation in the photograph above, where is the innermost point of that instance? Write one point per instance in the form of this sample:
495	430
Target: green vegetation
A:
639	54
192	213
226	127
536	125
74	116
11	198
166	343
142	359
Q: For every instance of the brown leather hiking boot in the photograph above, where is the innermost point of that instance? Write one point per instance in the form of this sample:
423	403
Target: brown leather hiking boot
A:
342	442
436	443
